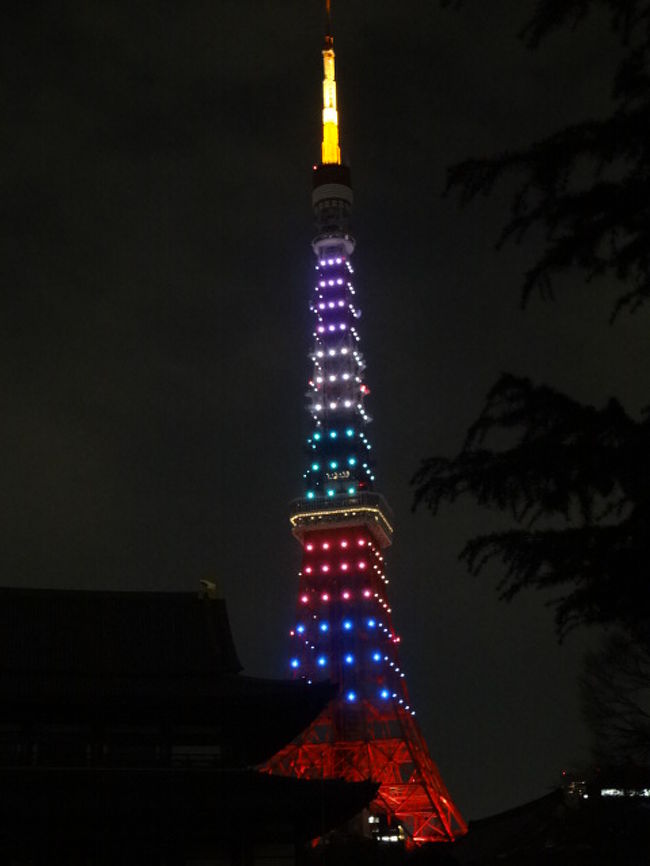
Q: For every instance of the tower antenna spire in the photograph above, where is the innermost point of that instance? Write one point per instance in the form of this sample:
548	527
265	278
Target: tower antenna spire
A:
330	150
328	12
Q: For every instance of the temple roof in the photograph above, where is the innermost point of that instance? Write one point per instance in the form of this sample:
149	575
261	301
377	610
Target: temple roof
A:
131	634
80	657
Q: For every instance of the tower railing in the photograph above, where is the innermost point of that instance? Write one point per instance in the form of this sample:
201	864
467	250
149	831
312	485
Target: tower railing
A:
363	509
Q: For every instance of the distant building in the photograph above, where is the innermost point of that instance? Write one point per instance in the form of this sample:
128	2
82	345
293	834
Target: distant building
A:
129	735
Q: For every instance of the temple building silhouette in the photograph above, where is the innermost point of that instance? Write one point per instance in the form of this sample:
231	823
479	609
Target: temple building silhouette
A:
129	735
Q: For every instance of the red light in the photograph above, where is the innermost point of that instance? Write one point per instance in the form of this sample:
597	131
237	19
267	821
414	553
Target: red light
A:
344	543
309	547
367	593
362	565
325	597
346	595
304	599
324	568
344	566
326	545
361	542
308	570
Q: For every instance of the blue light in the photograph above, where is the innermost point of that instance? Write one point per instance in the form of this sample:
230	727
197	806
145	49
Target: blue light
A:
330	492
310	494
349	659
351	696
315	467
376	657
295	663
385	694
333	464
371	623
349	432
351	491
322	661
333	434
300	629
347	624
324	626
352	461
317	436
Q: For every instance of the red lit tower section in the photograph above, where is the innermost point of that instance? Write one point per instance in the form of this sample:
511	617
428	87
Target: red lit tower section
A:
343	629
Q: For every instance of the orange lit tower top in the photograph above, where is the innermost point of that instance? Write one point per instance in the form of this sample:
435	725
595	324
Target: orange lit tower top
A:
343	629
330	150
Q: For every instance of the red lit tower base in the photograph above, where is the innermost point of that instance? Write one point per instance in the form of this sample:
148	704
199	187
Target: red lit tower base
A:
343	629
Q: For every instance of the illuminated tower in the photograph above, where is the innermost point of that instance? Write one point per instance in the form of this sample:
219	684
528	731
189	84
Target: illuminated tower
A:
343	629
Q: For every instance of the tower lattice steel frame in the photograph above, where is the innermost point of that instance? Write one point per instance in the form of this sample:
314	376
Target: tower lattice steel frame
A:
343	630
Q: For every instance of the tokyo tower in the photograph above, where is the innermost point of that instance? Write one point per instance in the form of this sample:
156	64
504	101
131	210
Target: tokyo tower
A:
343	630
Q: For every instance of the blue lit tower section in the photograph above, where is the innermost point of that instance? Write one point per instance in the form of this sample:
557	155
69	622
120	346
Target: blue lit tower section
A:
343	629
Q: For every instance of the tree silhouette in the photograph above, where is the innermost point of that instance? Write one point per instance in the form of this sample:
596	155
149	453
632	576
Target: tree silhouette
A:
574	479
587	186
616	699
570	478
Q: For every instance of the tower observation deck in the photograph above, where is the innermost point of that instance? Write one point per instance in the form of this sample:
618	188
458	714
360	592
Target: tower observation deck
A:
343	628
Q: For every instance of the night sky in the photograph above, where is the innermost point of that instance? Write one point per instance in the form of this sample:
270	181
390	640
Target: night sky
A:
156	268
